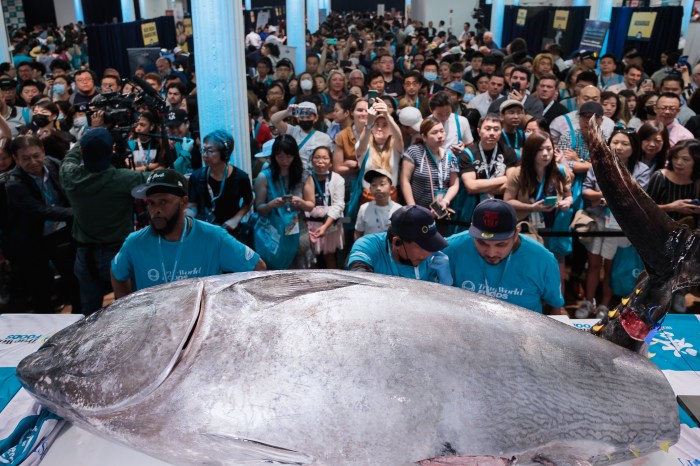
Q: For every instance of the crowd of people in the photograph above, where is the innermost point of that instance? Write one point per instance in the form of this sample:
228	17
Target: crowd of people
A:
400	148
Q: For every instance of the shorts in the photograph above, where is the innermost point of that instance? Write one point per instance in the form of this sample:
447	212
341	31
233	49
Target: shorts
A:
606	246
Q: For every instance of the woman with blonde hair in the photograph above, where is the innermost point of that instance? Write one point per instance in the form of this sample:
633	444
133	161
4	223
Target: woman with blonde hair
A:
380	146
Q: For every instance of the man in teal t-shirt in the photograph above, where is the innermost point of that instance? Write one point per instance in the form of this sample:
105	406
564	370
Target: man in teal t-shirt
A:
410	248
492	258
175	247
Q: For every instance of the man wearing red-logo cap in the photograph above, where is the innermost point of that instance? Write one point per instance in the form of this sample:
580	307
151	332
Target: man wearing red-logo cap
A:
492	258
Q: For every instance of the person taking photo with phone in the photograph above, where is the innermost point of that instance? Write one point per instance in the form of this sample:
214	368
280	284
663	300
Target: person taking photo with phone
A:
306	136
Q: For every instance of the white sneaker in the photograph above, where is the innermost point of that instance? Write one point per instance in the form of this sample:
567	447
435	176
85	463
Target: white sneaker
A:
584	309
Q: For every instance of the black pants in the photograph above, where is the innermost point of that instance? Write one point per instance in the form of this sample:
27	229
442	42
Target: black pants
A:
36	266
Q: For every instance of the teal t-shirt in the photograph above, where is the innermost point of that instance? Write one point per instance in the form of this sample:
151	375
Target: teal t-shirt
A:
204	251
374	250
527	277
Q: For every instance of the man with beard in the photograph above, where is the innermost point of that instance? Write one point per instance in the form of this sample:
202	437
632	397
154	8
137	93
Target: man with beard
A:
175	247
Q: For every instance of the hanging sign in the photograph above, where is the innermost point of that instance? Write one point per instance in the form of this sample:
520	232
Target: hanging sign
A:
150	33
641	25
522	16
561	18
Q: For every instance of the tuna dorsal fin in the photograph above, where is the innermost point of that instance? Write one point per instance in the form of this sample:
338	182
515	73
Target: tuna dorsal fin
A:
278	287
645	224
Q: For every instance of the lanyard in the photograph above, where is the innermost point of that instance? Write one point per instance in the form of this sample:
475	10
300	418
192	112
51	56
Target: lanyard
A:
507	139
441	171
416	104
459	128
325	189
221	186
549	105
540	191
177	253
306	139
503	274
147	158
493	159
354	132
256	128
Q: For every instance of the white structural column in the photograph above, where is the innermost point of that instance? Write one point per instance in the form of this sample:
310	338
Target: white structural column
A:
687	13
4	46
222	98
296	32
78	5
604	13
312	15
497	7
128	12
65	11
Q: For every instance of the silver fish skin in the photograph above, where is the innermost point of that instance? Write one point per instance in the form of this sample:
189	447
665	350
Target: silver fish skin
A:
340	368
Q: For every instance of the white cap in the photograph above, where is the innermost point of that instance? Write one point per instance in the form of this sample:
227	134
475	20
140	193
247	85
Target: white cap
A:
272	29
411	117
266	150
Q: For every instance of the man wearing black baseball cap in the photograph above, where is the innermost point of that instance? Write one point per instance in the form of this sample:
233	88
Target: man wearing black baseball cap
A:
175	247
410	248
492	258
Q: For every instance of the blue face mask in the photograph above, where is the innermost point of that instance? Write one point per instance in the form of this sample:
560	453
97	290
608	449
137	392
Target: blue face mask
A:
467	97
59	89
430	75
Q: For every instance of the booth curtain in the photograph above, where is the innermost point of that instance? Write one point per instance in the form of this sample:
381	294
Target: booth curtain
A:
667	30
101	11
108	42
538	26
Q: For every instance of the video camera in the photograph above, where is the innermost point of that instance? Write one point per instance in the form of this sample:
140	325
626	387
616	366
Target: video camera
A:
119	110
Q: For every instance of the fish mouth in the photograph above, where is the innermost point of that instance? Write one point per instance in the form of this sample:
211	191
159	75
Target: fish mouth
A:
108	361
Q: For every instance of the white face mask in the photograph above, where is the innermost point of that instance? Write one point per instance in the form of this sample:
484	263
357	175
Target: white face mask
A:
306	84
80	122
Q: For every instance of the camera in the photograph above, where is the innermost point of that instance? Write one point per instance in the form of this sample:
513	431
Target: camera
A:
119	110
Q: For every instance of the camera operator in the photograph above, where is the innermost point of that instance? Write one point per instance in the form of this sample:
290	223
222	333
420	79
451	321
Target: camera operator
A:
102	206
189	157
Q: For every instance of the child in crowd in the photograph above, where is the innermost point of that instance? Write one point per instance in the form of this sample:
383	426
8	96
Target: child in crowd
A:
374	216
325	232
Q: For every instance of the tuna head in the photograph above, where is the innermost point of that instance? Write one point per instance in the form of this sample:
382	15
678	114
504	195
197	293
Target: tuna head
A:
108	361
670	251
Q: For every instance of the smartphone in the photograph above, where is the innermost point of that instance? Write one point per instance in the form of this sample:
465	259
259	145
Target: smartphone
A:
695	202
345	63
515	86
550	201
331	41
437	208
287	198
372	96
683	61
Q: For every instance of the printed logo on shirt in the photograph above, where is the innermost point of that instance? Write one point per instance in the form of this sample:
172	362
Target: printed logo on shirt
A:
494	292
153	275
481	168
183	274
249	253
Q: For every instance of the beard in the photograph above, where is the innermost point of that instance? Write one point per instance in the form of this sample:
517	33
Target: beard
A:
164	226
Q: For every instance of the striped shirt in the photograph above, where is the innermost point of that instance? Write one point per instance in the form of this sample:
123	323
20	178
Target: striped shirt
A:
426	167
664	191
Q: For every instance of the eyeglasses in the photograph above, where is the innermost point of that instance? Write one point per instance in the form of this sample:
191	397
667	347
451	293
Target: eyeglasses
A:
209	151
668	109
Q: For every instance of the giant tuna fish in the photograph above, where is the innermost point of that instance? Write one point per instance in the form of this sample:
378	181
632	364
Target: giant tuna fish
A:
339	368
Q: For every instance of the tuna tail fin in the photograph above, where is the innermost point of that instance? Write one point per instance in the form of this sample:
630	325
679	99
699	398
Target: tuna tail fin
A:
645	224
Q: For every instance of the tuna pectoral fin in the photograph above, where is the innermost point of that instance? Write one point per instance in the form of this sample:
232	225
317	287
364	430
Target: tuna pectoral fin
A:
645	224
248	451
468	461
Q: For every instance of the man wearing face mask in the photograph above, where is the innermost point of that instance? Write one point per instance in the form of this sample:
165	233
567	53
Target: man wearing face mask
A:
307	137
430	73
409	248
80	121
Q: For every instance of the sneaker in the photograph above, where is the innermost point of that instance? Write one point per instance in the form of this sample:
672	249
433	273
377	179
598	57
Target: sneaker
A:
601	311
584	309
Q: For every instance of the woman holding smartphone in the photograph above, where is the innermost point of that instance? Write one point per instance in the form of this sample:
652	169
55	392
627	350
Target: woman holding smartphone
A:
540	187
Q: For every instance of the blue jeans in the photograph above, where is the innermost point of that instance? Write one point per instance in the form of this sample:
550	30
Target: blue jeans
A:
92	268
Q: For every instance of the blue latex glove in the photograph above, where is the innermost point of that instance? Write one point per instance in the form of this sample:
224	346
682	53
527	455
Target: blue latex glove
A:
187	144
440	263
